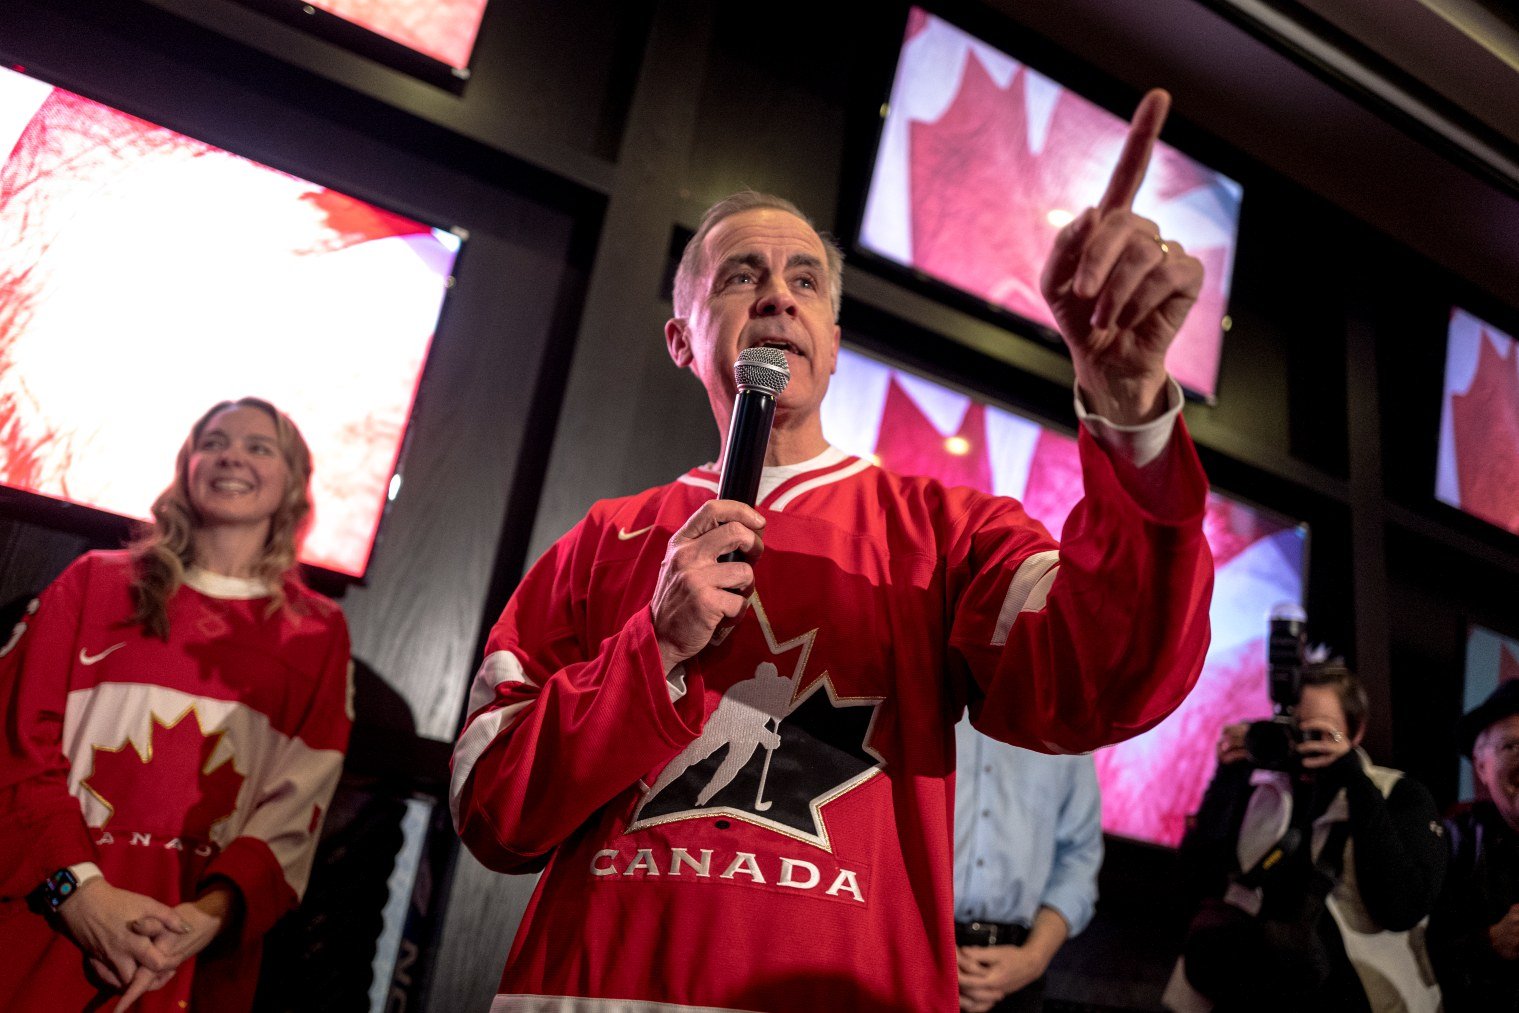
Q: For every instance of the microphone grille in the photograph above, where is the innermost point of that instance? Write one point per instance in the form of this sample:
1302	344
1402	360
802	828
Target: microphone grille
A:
762	369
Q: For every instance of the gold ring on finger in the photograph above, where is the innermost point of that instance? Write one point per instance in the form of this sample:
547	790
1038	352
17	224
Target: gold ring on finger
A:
1165	248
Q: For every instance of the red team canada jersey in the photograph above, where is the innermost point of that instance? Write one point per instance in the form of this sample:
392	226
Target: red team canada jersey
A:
778	835
166	764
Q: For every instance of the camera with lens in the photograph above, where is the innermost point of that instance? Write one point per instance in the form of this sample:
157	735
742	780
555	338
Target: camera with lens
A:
1272	744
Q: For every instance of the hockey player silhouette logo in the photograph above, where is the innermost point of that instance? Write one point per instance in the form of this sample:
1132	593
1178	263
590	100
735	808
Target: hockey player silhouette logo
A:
769	755
742	723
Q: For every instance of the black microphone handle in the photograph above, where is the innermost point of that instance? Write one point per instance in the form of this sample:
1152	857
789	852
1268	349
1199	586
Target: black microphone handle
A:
748	436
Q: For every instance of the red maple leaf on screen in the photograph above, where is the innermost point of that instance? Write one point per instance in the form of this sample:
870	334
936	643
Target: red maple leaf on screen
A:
909	444
981	198
167	790
349	221
1486	423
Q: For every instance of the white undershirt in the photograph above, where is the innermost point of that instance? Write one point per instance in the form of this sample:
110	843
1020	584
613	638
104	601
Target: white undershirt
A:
219	585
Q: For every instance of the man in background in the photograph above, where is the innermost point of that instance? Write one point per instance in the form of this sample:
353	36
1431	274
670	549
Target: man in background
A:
1028	845
1474	931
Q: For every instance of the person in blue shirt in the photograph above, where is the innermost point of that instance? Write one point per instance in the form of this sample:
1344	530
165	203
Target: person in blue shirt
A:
1028	844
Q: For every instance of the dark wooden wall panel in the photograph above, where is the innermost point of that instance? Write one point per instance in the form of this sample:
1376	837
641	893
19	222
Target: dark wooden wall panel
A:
760	100
622	423
30	557
418	619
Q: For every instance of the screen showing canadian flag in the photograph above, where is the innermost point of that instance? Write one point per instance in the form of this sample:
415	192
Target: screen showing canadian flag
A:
1152	782
145	276
982	161
1477	468
444	30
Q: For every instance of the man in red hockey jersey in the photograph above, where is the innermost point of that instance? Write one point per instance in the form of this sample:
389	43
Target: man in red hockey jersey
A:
815	871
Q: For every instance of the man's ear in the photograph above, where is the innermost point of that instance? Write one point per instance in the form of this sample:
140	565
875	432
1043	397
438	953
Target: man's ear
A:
1479	765
833	367
678	341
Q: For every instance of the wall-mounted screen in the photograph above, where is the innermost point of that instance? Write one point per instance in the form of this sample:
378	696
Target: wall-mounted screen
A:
1152	782
982	161
1478	463
1490	659
145	275
433	39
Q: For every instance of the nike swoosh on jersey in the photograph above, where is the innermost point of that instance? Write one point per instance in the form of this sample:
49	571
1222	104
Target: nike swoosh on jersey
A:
90	659
623	534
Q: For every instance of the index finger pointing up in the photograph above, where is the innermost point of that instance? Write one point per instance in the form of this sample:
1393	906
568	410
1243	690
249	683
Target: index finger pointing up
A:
1129	173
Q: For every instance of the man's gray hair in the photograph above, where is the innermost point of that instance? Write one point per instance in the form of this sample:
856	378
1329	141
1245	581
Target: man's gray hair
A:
693	261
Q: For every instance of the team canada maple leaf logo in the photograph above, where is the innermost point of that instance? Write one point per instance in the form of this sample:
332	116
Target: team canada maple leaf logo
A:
167	788
776	748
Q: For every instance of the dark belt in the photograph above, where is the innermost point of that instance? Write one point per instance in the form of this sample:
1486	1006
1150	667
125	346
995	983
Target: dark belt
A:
990	934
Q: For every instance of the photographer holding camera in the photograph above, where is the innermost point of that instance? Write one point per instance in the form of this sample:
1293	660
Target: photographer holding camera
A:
1314	870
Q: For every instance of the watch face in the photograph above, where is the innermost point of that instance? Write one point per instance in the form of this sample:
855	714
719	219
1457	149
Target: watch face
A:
60	887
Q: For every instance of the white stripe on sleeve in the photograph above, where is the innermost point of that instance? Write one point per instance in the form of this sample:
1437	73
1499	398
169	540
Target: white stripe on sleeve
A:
499	667
1029	590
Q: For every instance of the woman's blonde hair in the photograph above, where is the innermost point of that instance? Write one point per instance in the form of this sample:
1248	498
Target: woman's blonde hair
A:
164	549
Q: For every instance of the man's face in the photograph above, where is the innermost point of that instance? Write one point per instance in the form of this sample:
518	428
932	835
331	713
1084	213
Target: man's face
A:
1496	761
765	283
1322	703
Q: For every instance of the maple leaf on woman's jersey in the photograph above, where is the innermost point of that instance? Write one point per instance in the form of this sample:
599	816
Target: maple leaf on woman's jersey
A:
168	790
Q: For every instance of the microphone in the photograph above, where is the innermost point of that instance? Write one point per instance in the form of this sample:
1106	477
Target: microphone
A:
760	374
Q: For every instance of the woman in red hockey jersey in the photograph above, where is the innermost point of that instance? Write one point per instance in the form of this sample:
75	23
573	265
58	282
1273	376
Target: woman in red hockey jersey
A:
175	719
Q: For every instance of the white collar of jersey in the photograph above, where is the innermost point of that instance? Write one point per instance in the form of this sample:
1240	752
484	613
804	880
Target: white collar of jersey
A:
771	478
219	585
